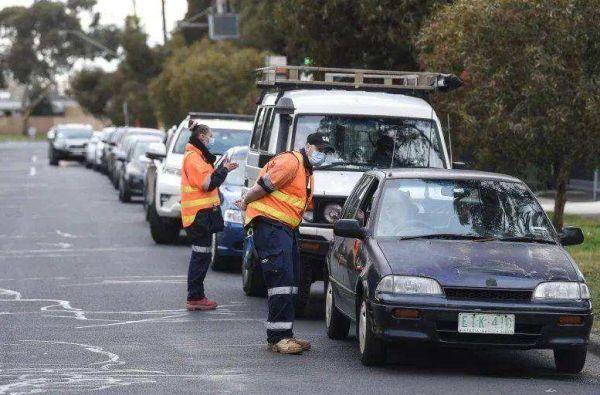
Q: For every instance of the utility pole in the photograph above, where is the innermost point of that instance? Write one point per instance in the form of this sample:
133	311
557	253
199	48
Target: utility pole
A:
134	8
164	21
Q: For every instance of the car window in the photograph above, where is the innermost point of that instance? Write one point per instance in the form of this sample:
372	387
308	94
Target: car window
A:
224	139
267	130
363	142
258	127
485	208
365	206
74	134
353	200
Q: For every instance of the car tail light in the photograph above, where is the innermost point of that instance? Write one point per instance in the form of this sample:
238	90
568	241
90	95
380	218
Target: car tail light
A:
570	320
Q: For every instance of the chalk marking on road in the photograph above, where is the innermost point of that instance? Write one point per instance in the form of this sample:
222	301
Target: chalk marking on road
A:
122	282
78	314
32	171
65	234
60	245
133	321
12	253
33	158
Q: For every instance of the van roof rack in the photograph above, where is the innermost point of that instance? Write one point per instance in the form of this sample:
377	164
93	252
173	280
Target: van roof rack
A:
305	77
216	115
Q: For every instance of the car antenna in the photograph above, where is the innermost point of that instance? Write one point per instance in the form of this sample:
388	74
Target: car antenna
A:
449	137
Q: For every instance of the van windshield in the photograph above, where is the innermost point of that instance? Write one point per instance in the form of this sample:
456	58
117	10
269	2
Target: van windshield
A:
363	142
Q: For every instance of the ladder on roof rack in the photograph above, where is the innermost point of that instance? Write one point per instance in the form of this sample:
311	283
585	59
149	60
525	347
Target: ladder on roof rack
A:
305	77
216	115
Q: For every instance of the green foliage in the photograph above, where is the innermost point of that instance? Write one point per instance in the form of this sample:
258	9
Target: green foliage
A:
350	33
213	77
92	88
531	94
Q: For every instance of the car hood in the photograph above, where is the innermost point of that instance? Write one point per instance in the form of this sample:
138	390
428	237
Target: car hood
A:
464	263
335	183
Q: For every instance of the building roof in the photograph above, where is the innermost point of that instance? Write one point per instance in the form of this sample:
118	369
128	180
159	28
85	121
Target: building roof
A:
338	101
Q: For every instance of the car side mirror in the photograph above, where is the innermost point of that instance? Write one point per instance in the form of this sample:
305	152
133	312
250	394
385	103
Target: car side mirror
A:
156	151
284	105
349	228
570	236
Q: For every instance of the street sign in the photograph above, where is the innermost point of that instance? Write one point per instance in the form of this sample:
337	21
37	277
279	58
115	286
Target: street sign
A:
223	26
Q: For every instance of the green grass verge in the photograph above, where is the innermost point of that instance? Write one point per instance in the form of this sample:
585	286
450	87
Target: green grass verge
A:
20	137
587	256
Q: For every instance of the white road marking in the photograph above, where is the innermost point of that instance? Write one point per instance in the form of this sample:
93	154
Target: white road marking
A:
60	245
32	171
65	234
33	158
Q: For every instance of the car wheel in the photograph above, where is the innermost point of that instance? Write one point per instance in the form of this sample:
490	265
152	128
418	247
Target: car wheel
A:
372	350
302	302
570	360
114	179
162	231
124	194
336	323
218	263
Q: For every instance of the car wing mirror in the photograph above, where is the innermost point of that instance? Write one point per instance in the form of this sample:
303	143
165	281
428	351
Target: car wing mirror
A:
349	228
570	236
156	151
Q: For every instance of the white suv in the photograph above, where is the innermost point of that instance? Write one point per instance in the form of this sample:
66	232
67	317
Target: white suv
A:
374	119
164	211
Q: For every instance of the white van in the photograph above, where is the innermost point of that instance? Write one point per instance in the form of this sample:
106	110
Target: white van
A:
164	204
374	119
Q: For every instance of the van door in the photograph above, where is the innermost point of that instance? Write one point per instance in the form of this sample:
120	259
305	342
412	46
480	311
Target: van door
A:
252	162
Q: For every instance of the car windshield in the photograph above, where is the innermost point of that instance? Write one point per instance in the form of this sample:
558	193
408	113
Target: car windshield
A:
461	208
236	177
74	133
224	139
362	142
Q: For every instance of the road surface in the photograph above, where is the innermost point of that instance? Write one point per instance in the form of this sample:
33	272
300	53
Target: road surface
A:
89	302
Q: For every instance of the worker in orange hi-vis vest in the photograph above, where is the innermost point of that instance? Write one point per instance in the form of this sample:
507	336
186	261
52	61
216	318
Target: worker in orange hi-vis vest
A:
200	208
274	208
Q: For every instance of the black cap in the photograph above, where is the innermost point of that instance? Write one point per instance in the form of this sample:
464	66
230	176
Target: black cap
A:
321	141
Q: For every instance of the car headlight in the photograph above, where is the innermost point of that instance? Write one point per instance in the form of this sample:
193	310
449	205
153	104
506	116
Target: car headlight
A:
309	216
60	144
408	285
233	216
561	290
173	171
332	212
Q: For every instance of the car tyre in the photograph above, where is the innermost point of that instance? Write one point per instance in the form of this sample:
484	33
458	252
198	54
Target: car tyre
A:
302	302
52	159
570	360
218	263
336	323
372	349
162	231
124	194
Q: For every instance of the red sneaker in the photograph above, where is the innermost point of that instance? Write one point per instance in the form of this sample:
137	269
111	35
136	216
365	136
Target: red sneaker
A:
201	304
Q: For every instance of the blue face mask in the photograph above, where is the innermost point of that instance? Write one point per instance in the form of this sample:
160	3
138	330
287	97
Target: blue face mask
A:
211	142
317	158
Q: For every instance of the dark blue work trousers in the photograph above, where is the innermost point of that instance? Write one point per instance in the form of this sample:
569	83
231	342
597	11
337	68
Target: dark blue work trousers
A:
277	249
199	262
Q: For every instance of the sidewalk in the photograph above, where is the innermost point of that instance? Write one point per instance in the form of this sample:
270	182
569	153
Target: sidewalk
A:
577	208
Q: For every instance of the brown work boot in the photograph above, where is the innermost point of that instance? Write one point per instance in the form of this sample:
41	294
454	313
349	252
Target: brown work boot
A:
303	343
286	346
200	304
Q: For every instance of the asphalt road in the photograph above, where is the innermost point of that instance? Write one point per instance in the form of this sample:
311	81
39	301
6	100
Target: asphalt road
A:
89	302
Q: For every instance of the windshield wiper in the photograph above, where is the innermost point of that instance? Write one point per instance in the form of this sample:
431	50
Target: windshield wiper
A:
448	236
526	239
343	163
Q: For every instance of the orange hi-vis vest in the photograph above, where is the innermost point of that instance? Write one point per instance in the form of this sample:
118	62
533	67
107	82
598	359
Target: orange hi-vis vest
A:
193	174
289	201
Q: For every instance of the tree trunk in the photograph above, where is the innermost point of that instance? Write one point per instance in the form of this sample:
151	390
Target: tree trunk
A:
562	178
28	109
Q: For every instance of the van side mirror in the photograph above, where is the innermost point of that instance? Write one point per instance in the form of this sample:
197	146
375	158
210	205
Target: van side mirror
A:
156	151
570	236
349	228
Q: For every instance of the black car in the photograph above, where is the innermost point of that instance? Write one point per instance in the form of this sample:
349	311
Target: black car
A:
68	142
121	147
454	258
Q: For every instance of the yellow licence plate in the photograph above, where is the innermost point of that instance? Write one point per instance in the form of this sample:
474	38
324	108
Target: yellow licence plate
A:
500	324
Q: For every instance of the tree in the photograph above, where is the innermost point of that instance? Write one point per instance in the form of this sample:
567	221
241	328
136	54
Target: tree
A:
213	77
350	33
532	95
104	94
42	42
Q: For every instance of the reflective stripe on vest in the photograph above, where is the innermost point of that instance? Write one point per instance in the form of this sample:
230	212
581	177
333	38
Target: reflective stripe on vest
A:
194	198
287	204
